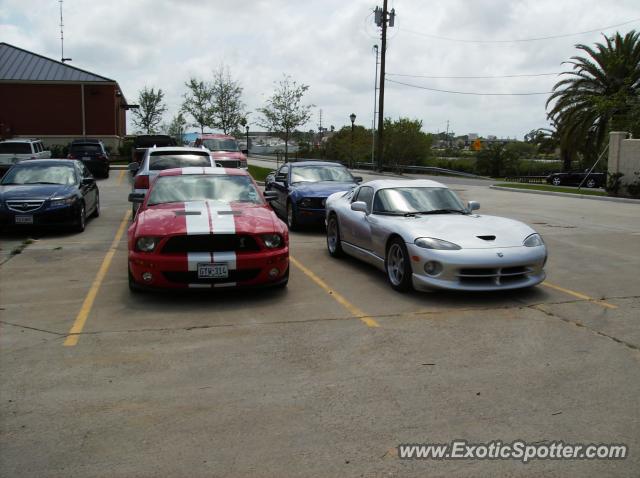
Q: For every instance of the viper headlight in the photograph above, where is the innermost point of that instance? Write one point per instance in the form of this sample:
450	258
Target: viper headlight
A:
439	244
272	241
146	244
533	240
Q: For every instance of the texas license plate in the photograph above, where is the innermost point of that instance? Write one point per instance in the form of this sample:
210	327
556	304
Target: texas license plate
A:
24	219
213	271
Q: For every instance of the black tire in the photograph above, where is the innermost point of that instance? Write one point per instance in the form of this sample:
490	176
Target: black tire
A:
398	267
133	287
334	244
81	220
291	217
591	183
556	181
96	211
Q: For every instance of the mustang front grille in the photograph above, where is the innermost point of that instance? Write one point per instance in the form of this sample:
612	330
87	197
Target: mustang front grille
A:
312	203
210	243
192	277
25	205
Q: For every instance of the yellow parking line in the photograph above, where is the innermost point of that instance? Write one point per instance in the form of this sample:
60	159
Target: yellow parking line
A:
81	319
353	310
120	177
580	295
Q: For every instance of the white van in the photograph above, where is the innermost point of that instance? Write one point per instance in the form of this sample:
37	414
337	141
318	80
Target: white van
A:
14	150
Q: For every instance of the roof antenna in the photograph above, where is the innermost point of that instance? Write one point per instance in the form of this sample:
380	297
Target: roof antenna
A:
62	58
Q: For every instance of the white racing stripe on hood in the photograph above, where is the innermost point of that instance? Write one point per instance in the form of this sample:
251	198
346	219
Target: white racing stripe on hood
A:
216	170
193	170
197	223
195	258
224	223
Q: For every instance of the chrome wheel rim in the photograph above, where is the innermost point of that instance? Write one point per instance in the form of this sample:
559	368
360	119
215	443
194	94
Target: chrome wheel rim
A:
591	183
556	181
332	235
395	264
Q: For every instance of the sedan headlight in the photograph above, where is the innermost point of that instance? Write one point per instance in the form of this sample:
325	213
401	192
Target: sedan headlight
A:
533	240
305	202
432	243
57	202
146	244
272	241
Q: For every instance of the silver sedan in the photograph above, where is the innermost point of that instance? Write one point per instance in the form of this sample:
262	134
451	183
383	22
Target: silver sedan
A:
420	233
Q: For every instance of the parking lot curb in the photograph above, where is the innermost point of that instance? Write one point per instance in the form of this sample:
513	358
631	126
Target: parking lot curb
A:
579	196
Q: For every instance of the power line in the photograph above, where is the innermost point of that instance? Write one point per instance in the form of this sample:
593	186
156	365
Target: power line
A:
468	92
528	75
521	40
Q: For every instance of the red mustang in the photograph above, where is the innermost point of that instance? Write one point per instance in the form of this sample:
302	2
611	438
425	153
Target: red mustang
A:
204	228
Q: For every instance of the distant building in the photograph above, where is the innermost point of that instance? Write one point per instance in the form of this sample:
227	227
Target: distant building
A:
56	102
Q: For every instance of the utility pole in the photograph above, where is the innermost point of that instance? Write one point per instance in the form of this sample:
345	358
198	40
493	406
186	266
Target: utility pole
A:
373	121
62	58
382	19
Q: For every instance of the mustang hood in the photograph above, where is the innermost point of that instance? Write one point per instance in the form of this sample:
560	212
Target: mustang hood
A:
320	189
205	217
35	191
469	231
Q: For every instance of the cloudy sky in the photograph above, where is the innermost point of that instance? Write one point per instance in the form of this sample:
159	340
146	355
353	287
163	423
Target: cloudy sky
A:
328	45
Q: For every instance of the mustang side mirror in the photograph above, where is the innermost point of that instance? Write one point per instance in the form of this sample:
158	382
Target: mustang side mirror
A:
88	181
357	179
136	198
270	195
281	178
359	206
473	205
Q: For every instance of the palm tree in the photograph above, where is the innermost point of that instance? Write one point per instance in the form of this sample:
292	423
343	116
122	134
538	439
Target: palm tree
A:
599	94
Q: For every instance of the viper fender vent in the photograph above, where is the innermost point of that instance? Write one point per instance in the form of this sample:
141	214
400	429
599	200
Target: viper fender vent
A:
487	238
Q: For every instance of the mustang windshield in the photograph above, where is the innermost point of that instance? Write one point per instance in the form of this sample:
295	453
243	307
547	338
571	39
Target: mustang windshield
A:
202	187
416	201
320	173
40	174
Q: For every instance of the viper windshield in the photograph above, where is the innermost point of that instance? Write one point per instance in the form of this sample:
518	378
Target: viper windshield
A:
417	201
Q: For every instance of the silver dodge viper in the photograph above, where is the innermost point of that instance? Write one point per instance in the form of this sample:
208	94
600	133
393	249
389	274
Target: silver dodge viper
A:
421	234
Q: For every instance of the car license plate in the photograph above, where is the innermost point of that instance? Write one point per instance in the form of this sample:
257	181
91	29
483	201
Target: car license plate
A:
213	271
86	158
24	219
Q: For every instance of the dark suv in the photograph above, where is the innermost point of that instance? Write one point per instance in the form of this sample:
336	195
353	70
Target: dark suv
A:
93	154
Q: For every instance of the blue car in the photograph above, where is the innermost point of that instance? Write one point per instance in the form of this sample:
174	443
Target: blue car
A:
303	188
48	192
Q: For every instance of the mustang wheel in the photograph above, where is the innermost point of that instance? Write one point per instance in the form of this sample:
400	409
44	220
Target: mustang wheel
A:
398	266
556	181
291	217
591	183
81	222
334	245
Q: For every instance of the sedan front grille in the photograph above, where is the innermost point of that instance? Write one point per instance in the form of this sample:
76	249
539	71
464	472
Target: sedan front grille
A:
210	243
25	205
493	276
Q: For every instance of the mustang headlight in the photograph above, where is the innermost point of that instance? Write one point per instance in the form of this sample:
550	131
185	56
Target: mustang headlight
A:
57	202
272	241
533	240
146	244
432	243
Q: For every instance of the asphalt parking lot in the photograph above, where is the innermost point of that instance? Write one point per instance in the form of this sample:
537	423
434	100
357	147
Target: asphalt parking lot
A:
327	377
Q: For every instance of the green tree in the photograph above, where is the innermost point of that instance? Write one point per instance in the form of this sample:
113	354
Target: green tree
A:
405	143
339	147
198	102
284	111
149	114
177	127
496	160
598	95
228	108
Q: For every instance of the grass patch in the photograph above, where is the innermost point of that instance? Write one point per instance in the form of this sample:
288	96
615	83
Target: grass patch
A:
259	173
557	189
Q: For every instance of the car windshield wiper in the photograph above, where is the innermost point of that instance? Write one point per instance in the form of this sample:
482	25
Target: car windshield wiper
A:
45	182
442	211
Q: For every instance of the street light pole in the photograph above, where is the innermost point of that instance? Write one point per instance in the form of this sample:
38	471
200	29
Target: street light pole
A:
247	129
352	117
